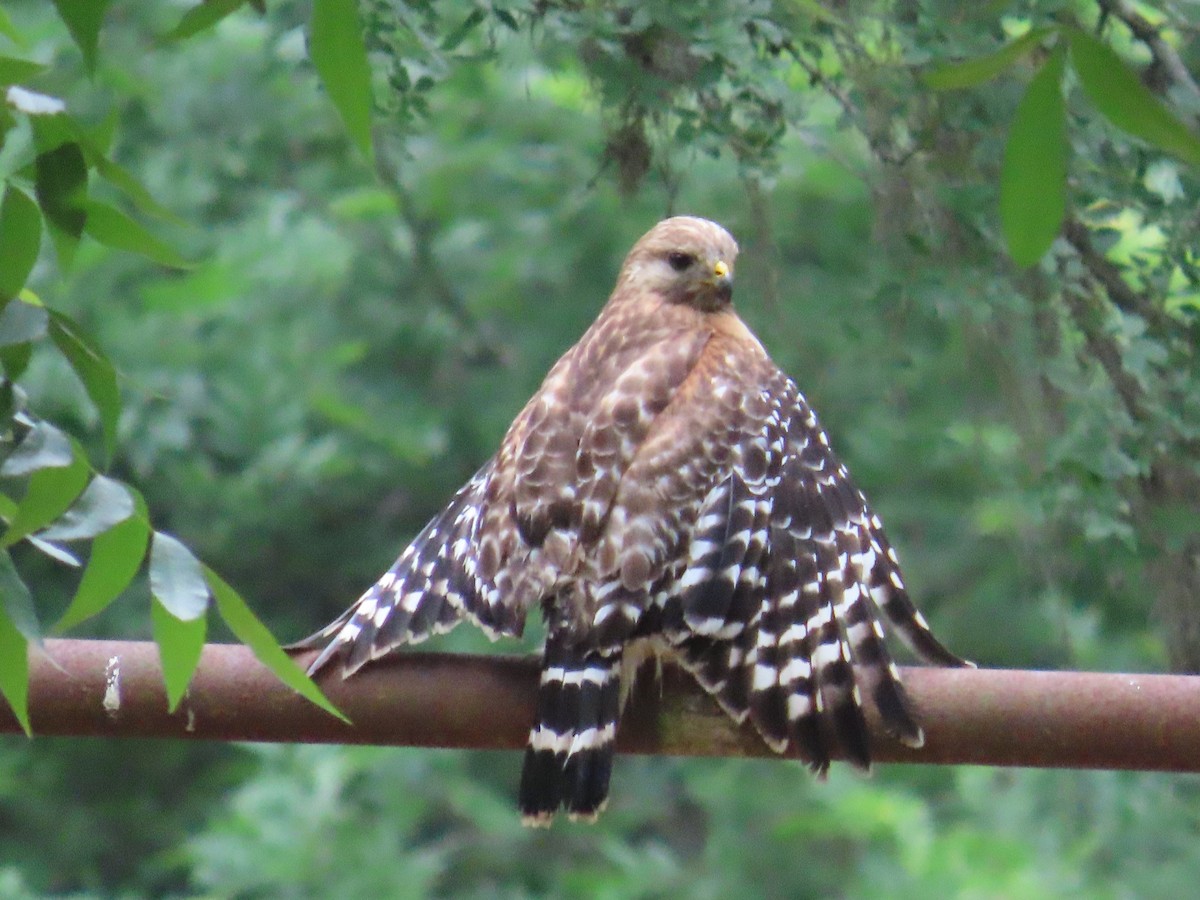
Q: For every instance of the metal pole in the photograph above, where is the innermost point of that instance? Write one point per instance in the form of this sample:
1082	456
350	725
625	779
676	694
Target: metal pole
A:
971	716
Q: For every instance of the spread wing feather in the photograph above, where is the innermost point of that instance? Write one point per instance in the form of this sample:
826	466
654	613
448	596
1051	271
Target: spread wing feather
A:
429	590
796	654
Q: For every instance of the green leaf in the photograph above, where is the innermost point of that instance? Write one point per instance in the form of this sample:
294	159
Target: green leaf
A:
179	645
15	600
116	556
50	492
10	400
18	628
83	19
250	631
113	228
93	369
20	238
61	188
54	551
814	10
9	30
8	403
96	138
1119	94
340	58
54	130
202	17
459	34
15	360
14	670
22	322
176	579
104	503
43	447
974	72
15	71
1033	180
133	189
51	126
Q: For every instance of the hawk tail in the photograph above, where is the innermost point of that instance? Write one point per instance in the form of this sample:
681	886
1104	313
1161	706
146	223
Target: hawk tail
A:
569	756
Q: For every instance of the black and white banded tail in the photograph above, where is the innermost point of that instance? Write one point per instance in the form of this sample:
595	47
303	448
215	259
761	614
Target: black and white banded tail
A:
569	756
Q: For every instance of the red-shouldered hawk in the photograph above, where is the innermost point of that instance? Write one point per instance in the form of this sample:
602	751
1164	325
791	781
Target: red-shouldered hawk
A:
666	489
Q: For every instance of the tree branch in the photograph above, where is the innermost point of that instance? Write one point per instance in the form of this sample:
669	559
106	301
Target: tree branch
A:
1165	56
480	346
971	716
1109	274
1089	319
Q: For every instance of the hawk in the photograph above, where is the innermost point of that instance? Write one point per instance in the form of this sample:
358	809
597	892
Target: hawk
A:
666	491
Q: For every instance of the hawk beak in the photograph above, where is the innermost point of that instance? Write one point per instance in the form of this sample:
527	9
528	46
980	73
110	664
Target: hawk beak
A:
722	280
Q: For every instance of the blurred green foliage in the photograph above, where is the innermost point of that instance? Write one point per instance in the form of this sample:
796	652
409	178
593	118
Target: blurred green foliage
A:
350	339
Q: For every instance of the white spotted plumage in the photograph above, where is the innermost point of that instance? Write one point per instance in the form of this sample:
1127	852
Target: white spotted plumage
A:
666	488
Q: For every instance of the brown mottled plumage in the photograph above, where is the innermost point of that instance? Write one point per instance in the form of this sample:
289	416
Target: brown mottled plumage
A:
666	487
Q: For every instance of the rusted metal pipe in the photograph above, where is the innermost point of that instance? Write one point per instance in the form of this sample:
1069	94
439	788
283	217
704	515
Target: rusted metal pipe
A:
975	716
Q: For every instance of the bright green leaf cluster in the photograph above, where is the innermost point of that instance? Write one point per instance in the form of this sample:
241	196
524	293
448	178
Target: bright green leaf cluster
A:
51	495
1033	188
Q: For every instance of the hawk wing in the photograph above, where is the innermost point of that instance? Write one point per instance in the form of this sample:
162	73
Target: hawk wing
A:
778	612
429	589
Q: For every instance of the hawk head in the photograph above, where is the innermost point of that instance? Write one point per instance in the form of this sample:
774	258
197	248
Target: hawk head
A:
685	260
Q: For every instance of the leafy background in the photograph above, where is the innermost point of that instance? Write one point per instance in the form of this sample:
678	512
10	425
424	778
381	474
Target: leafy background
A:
969	232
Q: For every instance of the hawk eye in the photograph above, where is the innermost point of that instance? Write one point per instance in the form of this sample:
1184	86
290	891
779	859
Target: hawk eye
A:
680	261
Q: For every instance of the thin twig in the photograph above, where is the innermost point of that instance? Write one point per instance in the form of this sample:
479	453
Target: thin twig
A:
480	346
